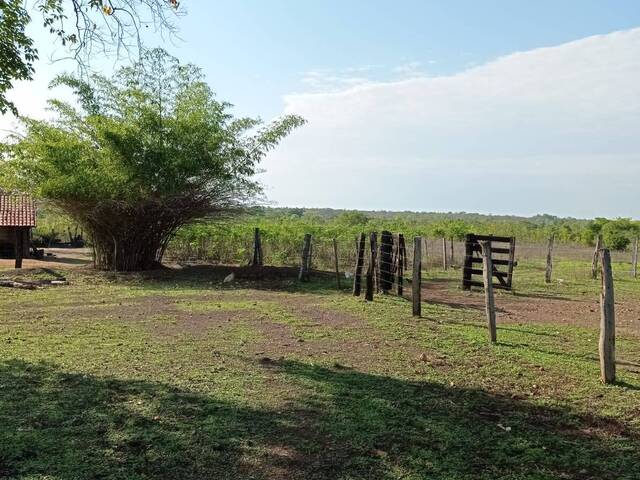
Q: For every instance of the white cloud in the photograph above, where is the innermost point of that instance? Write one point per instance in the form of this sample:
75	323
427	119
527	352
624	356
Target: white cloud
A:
553	129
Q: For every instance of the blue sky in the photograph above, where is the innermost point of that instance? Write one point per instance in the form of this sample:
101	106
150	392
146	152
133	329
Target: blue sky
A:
411	104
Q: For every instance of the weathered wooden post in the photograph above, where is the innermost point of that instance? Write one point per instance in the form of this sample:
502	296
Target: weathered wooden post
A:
335	256
634	259
257	248
444	253
357	275
386	261
547	273
451	259
416	282
400	259
596	254
487	276
371	268
19	246
306	253
607	346
468	262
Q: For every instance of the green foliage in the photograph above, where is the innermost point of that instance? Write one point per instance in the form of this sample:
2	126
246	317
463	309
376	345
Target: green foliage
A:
147	151
17	53
617	233
84	28
152	130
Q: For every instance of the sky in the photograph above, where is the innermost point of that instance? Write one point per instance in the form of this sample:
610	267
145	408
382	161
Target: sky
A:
504	107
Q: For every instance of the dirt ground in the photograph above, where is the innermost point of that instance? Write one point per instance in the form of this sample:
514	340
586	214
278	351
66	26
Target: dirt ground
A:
523	308
54	258
512	308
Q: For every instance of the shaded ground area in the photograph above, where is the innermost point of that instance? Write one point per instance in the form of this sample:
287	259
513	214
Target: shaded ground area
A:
175	374
54	258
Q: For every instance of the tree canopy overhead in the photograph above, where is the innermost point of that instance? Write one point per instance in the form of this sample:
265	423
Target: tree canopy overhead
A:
85	28
143	153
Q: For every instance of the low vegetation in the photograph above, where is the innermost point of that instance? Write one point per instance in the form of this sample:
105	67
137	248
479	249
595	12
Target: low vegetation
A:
175	374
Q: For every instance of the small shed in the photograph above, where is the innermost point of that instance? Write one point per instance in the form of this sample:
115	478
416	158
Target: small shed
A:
17	218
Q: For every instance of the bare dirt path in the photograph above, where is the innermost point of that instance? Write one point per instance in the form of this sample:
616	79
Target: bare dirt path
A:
522	308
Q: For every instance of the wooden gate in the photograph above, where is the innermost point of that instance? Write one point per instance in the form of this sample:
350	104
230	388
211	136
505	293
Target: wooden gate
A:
501	247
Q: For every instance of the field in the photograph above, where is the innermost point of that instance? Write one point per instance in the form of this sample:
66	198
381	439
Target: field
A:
174	374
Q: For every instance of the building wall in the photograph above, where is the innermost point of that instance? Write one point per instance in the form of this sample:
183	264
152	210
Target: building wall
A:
7	235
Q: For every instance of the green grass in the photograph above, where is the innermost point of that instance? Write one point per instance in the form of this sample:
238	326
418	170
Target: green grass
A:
176	376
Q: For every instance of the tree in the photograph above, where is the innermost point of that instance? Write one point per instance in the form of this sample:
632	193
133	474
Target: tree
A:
144	154
85	27
617	234
16	49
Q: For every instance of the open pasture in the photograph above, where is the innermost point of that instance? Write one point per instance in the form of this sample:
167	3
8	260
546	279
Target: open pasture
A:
173	374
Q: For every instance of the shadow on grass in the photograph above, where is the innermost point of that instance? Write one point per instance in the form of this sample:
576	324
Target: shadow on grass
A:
344	424
268	278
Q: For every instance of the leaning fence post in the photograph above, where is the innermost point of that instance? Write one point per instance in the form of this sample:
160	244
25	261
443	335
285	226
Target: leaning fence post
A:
487	276
547	273
306	253
607	346
416	283
634	259
596	253
357	275
335	256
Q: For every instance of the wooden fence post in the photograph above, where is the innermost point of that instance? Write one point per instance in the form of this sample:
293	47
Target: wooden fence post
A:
596	254
257	248
547	273
357	275
335	256
386	261
634	259
607	345
416	283
371	268
306	253
400	260
444	253
487	276
19	246
451	259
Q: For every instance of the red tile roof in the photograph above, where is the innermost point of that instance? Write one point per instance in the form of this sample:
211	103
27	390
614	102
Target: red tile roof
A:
17	211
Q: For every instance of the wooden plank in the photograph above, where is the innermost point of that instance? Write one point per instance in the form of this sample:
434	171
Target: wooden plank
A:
607	343
416	283
476	248
496	273
490	307
488	238
496	261
357	274
475	283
